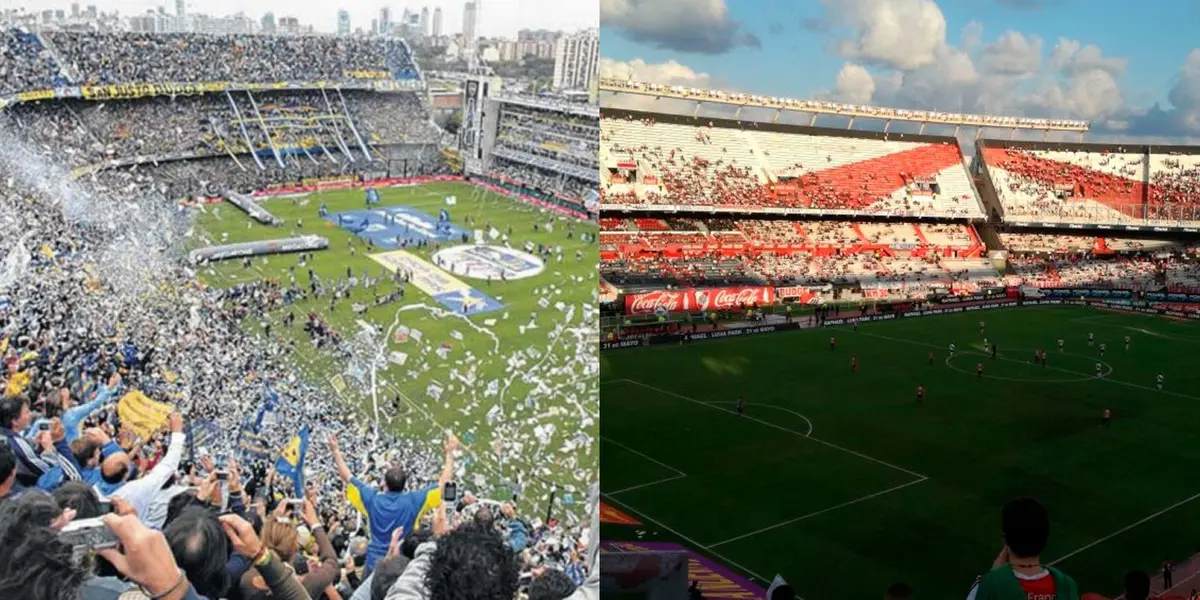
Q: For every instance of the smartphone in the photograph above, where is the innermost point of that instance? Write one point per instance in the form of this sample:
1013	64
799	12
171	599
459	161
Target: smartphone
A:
450	493
87	535
43	426
222	475
106	507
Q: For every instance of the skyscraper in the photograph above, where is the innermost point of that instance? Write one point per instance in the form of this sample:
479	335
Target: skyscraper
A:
424	21
385	20
268	23
468	29
343	22
577	60
437	22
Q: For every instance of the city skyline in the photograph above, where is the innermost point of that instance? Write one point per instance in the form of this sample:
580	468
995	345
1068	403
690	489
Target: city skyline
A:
497	18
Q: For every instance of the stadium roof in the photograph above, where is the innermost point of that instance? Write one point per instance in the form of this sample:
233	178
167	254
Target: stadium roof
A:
837	108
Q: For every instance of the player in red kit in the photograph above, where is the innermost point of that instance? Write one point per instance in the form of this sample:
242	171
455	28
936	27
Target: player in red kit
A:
979	370
853	364
920	393
832	343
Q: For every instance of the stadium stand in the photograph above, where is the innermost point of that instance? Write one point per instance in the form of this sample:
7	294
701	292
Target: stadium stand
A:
548	148
182	532
1035	190
672	160
1094	183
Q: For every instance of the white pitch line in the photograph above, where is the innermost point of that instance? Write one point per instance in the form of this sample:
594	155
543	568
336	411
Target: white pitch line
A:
820	512
1124	529
1067	371
786	410
685	538
784	429
644	485
645	456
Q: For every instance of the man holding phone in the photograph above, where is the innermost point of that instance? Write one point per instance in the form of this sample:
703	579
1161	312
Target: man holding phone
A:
393	507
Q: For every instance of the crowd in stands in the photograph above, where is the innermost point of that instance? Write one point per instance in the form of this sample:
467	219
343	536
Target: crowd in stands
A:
557	135
545	179
86	133
25	63
130	57
706	165
1099	186
82	327
64	58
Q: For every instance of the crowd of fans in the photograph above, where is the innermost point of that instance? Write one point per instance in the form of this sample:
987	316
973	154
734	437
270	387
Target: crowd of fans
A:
706	165
313	124
25	63
188	517
557	135
94	58
544	179
1096	186
97	304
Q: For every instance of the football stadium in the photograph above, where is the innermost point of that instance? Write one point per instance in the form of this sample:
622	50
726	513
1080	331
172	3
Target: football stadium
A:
836	355
271	330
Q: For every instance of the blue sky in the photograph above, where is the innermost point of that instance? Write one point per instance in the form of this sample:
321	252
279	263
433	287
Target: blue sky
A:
1131	67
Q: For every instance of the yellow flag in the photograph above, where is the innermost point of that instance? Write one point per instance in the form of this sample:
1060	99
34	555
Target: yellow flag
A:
142	415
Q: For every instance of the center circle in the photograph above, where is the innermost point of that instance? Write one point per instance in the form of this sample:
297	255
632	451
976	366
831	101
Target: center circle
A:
987	357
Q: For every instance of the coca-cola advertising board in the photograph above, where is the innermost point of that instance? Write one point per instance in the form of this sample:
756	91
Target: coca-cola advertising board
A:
672	300
733	297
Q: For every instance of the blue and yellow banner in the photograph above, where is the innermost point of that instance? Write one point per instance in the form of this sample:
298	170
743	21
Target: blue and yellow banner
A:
291	461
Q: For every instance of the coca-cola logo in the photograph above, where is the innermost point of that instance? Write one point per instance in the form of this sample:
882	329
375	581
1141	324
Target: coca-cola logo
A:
647	303
727	298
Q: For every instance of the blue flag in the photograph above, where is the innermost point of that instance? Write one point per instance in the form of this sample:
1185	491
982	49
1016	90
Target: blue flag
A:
291	461
270	401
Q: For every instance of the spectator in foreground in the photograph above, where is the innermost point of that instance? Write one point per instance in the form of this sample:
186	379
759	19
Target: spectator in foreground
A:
1137	585
898	591
393	508
1017	573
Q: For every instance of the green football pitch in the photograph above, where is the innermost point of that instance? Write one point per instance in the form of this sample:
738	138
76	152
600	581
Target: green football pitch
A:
523	436
844	483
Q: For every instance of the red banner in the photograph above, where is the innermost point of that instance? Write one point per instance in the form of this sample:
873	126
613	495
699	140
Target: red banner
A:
734	297
704	299
672	300
611	515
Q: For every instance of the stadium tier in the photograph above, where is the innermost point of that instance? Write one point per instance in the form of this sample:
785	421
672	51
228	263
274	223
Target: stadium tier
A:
900	257
58	59
1094	183
550	146
651	160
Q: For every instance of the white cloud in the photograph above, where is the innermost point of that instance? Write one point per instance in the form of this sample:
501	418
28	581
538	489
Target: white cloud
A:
1071	57
854	85
702	26
668	73
902	34
1012	54
1092	95
972	35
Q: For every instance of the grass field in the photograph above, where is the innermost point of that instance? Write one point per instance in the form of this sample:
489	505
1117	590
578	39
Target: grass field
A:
844	484
531	352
